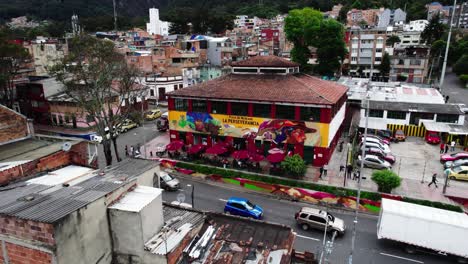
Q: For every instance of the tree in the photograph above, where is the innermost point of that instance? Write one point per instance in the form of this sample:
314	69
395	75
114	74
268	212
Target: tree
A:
392	40
12	56
99	81
433	31
307	27
343	15
357	5
294	165
386	180
384	66
461	66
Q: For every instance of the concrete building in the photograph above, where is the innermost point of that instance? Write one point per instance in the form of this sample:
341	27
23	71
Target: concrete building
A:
462	11
367	48
335	12
410	64
355	17
411	108
416	25
409	38
243	21
264	97
219	52
390	17
159	86
156	26
61	217
46	53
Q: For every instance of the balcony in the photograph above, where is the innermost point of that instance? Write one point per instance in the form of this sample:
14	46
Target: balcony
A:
367	46
227	49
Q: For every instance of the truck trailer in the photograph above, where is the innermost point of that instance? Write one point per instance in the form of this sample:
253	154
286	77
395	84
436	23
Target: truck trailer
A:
424	228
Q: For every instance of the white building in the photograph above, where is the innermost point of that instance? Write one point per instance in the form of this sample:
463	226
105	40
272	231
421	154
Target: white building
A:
410	38
416	25
159	86
244	21
156	26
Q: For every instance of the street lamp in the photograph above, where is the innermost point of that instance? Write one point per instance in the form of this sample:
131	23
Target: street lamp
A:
324	240
365	102
444	66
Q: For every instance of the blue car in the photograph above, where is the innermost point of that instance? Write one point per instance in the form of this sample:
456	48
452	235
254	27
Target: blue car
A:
243	207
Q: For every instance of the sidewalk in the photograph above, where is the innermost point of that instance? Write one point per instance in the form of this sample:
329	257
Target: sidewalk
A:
409	187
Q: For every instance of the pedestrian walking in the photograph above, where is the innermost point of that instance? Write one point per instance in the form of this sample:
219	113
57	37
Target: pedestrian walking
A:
434	180
442	147
126	150
325	169
342	169
355	175
452	145
349	171
321	172
446	148
132	151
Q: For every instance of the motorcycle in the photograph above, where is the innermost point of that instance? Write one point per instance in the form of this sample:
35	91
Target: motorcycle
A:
162	124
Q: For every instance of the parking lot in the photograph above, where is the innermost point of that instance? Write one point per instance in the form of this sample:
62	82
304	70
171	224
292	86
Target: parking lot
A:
416	161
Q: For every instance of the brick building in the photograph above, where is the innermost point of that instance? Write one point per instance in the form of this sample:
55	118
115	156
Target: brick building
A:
410	64
61	217
266	100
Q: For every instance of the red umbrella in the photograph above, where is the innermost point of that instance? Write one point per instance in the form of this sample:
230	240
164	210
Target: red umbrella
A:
240	154
195	149
275	158
276	151
216	150
256	157
175	145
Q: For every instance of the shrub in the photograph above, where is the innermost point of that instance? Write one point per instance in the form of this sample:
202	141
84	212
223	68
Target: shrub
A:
464	78
294	166
439	205
386	180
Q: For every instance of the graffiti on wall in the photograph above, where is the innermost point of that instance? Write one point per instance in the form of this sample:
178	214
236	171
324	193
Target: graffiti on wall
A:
275	130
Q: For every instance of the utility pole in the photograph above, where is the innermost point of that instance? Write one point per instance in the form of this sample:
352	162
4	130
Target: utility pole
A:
442	76
115	16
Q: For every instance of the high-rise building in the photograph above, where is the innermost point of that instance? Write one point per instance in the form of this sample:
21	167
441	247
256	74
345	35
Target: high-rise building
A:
156	26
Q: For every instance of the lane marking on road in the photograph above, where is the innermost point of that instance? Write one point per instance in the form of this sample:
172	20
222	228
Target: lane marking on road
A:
306	237
398	257
222	200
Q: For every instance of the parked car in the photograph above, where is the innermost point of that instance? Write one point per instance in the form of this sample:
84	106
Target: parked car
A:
379	153
453	156
456	163
399	135
383	140
308	218
375	162
243	207
126	125
168	182
153	114
387	134
458	173
375	140
385	148
432	137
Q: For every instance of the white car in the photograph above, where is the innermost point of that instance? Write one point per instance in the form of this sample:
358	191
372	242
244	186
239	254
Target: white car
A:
375	162
374	140
384	147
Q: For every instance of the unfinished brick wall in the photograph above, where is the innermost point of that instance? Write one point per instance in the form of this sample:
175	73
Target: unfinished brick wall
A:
18	255
78	155
42	233
12	125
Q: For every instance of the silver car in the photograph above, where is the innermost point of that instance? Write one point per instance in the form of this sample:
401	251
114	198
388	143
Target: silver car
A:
375	162
168	182
308	218
455	163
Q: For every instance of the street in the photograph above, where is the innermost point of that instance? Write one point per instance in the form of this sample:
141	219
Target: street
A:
209	196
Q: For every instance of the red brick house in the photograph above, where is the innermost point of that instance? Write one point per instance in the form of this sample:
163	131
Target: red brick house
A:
265	102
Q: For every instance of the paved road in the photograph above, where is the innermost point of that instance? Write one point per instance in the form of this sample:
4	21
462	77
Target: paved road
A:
133	137
369	250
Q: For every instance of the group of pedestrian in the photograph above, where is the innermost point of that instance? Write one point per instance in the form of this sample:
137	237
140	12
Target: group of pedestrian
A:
444	147
133	151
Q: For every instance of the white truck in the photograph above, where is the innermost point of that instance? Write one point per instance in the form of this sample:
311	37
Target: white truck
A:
424	228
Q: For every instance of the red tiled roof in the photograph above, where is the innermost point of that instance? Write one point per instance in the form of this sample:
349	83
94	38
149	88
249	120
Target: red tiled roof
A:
300	88
265	61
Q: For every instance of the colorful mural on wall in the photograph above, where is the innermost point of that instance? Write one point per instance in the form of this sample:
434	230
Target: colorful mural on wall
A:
275	130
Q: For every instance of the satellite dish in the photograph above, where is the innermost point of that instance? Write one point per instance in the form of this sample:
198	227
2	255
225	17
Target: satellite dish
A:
66	146
181	197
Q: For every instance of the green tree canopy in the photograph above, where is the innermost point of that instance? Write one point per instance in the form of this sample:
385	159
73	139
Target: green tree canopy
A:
386	180
461	66
392	40
294	165
307	27
434	31
384	66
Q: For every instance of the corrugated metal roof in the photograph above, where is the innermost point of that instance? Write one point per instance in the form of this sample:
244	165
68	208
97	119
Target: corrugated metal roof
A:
49	204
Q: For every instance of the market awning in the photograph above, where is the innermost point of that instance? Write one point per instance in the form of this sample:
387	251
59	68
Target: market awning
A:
453	129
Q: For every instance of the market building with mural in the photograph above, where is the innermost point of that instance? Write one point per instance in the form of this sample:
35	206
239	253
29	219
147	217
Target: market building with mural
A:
265	102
